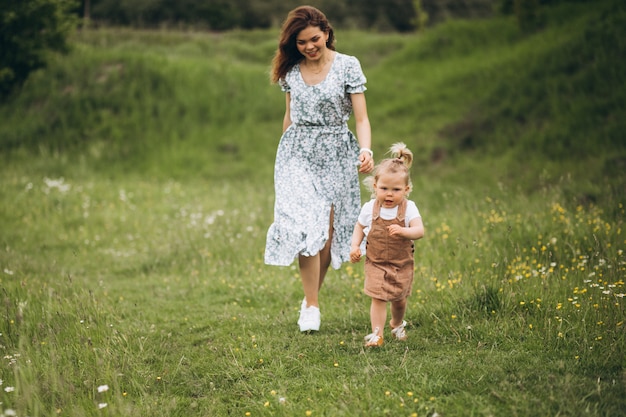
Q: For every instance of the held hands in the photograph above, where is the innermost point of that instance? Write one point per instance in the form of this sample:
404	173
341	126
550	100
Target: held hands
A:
366	161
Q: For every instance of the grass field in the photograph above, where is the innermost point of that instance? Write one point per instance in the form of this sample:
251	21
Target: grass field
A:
136	189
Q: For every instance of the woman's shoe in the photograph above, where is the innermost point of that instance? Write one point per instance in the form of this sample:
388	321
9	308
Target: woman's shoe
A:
310	318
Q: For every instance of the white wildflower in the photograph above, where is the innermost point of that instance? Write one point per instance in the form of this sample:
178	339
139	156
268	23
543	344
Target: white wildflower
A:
58	184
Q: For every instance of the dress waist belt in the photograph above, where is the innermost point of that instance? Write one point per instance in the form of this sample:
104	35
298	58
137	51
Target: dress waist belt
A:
326	128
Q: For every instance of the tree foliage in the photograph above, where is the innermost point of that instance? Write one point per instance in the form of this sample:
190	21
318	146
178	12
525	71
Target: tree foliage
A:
528	12
29	31
388	15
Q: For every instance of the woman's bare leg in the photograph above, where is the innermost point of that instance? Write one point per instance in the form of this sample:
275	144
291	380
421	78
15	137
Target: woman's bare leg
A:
325	252
310	276
313	269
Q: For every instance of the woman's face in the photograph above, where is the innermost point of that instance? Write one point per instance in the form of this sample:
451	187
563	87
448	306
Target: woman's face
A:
311	43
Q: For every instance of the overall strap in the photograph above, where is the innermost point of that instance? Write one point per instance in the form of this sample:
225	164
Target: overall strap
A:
375	210
402	211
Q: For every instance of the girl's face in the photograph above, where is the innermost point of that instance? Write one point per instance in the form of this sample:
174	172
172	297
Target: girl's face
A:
311	43
390	189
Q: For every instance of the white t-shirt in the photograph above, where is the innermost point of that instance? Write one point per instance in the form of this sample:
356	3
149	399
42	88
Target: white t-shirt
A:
365	217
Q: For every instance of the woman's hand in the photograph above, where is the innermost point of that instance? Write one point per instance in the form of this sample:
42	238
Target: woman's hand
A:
367	162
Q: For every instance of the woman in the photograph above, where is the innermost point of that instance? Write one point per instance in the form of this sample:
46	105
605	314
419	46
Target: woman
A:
316	177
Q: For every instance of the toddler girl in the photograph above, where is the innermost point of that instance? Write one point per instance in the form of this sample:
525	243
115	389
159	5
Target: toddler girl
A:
390	222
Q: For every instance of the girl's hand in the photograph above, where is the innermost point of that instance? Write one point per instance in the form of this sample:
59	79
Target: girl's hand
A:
396	229
355	255
366	162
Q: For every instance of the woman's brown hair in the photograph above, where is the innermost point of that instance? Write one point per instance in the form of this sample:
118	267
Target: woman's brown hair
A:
287	54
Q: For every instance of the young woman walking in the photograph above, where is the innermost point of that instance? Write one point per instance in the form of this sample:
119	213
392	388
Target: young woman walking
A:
317	193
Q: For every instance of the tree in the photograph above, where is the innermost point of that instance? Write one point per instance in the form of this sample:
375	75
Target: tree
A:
401	14
30	30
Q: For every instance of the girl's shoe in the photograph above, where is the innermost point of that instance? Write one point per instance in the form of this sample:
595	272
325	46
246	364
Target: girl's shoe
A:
374	339
398	332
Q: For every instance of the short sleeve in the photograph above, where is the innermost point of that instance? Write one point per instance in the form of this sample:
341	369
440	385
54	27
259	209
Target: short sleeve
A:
365	216
412	212
284	86
354	78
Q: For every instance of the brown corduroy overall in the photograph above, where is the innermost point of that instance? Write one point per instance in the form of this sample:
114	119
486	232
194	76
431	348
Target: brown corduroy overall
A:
388	259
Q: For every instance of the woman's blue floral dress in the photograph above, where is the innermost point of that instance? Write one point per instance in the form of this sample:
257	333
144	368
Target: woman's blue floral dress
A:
316	167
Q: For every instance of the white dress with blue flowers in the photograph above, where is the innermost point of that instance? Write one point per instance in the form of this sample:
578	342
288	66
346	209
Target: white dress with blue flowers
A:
316	167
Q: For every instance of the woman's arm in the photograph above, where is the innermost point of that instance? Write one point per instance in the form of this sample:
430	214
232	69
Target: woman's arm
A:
287	117
363	131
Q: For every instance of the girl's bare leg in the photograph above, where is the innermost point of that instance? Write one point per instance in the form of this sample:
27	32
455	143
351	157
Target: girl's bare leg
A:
378	315
398	308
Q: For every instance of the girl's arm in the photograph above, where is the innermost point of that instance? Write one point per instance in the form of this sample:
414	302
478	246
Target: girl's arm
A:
415	230
363	131
287	117
355	245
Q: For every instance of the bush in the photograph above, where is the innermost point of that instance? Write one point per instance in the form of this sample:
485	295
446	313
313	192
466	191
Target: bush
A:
29	31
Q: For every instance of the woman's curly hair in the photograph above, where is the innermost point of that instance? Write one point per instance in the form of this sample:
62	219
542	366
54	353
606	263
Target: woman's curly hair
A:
287	54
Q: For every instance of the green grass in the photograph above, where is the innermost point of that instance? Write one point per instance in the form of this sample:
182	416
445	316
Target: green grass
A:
158	290
136	189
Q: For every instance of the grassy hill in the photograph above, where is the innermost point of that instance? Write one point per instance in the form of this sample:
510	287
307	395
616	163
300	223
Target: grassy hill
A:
136	189
475	97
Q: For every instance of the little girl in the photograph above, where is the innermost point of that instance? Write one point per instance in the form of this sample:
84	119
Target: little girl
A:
391	223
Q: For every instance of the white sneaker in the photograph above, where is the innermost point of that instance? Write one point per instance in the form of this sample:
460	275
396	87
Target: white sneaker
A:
310	318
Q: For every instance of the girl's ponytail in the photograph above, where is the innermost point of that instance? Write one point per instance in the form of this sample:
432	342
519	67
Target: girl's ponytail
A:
400	151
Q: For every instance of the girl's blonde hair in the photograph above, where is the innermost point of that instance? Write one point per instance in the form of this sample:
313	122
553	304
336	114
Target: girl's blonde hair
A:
399	163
